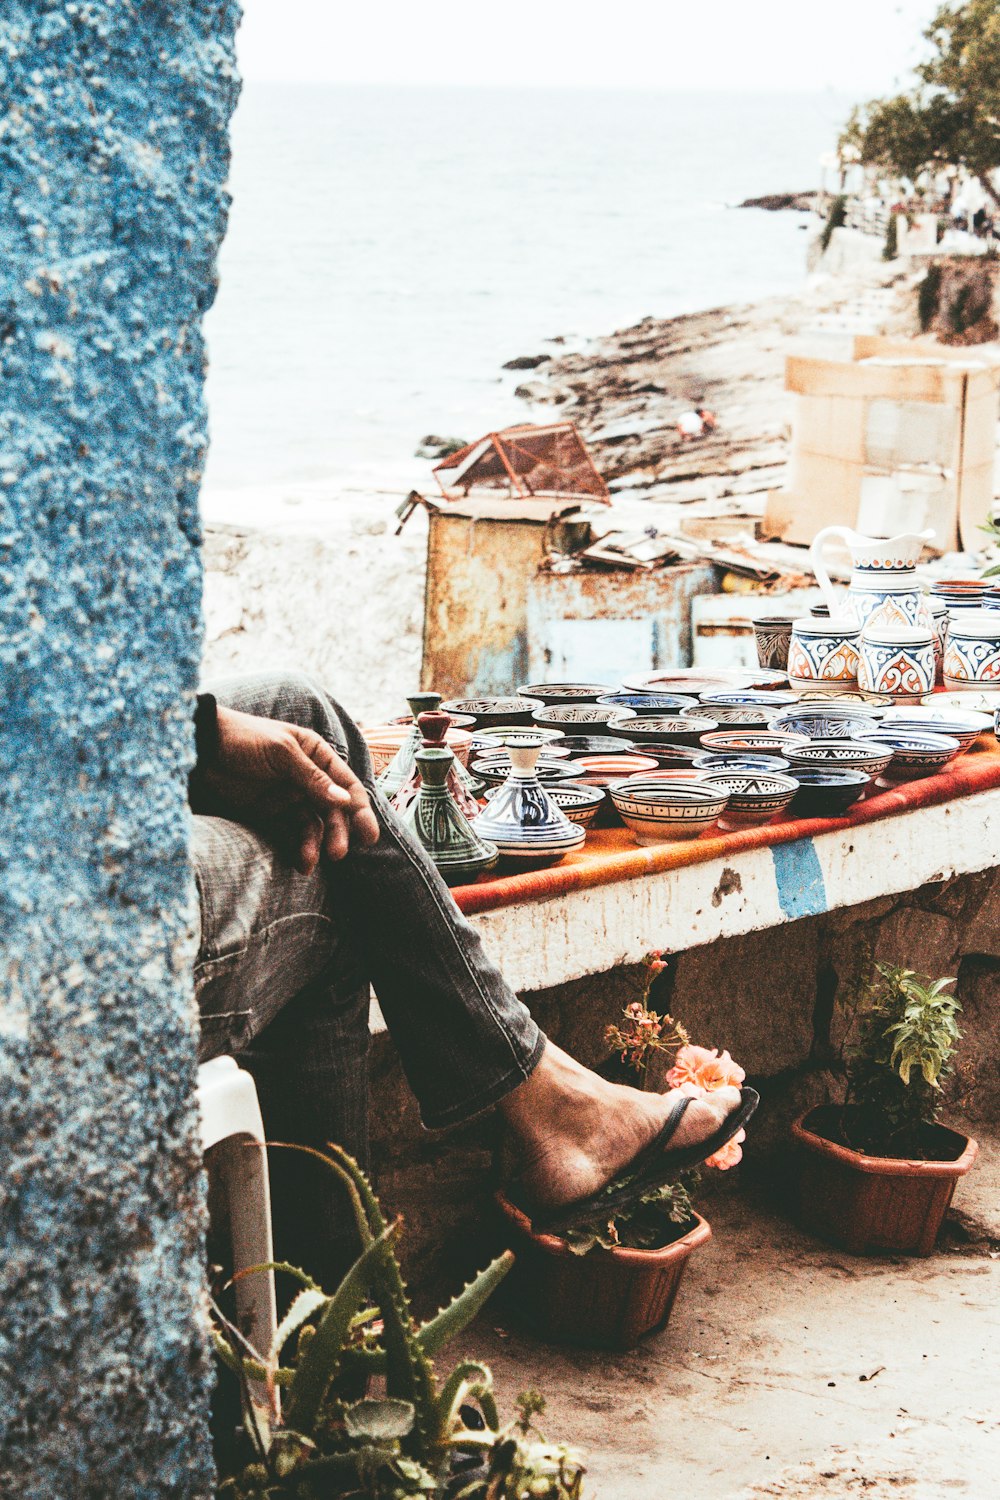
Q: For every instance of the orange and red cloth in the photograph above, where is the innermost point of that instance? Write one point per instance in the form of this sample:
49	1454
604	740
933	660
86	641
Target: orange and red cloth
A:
612	854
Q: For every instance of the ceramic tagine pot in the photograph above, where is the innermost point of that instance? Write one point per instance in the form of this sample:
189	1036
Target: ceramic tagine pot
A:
883	590
522	820
433	728
439	824
399	770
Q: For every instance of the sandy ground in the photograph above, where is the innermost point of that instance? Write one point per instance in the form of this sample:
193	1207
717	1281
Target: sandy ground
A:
790	1369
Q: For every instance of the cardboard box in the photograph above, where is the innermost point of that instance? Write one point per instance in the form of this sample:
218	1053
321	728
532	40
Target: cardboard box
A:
900	438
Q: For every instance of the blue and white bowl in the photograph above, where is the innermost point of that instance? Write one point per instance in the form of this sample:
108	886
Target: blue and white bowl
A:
723	760
661	811
647	705
759	697
754	796
915	755
962	725
817	722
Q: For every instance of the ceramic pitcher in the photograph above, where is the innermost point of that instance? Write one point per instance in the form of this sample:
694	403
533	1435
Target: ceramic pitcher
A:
883	589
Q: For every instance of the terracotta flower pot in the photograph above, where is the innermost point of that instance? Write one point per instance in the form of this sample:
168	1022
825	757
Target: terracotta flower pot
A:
876	1203
606	1299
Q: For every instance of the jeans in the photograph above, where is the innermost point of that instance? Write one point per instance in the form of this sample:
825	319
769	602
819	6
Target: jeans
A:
283	973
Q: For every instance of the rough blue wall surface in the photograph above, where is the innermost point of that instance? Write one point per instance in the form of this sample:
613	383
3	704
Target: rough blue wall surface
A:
113	157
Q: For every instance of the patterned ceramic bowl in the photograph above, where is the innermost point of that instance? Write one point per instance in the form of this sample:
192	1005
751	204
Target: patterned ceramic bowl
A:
678	729
750	697
754	797
574	717
495	768
564	692
487	711
827	793
488	737
818	723
671	755
753	741
660	811
964	727
647	705
915	755
754	715
602	770
836	754
714	760
383	740
593	744
580	803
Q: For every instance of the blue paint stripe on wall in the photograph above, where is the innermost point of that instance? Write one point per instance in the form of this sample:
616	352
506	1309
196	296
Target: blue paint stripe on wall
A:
801	891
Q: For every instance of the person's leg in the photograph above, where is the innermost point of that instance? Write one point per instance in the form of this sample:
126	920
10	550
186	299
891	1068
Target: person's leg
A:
465	1040
279	986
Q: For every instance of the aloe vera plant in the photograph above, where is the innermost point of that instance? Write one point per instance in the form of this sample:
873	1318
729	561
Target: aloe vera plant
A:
422	1435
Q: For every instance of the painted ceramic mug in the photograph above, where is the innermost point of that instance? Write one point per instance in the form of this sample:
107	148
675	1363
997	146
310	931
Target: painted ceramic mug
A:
823	654
897	660
773	633
972	649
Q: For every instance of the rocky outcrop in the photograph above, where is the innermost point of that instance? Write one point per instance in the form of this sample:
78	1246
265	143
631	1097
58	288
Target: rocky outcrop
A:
801	203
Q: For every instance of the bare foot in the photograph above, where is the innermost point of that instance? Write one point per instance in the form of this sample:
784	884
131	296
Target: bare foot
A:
573	1131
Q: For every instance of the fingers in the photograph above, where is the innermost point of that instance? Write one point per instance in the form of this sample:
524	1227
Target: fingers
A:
311	843
323	779
325	761
337	835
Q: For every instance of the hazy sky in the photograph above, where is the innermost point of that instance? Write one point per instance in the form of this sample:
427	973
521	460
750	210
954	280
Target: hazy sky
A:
859	46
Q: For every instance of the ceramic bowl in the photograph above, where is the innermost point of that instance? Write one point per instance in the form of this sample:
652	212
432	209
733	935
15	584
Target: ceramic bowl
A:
495	768
594	744
647	705
564	693
827	792
750	698
754	797
487	711
580	803
671	773
574	717
713	760
853	700
915	755
671	755
836	754
753	715
974	700
383	740
495	732
817	723
753	741
933	719
676	729
601	770
964	727
661	811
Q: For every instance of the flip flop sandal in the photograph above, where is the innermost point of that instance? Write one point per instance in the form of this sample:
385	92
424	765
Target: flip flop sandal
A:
650	1169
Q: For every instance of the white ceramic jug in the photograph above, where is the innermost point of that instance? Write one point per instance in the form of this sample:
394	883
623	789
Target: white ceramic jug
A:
883	588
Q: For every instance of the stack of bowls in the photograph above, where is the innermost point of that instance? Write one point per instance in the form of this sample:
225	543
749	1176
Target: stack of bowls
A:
564	694
915	755
754	796
866	756
957	723
826	721
959	593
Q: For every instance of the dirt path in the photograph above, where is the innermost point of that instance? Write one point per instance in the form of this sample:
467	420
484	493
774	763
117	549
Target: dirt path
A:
788	1369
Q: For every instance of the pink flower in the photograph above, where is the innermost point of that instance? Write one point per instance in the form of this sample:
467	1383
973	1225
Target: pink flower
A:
705	1069
728	1155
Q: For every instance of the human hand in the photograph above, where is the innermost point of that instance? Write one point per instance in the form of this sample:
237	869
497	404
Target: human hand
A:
289	782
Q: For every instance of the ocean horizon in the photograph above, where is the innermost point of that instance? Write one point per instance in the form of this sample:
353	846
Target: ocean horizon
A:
390	248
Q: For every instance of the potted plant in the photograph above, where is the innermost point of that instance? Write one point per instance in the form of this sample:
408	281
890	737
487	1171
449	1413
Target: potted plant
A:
421	1435
610	1282
878	1171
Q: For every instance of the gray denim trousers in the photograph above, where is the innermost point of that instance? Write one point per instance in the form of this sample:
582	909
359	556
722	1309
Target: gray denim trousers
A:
283	973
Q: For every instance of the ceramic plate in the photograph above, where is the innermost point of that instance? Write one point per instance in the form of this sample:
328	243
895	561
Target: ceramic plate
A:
978	700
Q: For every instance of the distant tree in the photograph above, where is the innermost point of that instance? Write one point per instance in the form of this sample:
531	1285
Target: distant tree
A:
952	114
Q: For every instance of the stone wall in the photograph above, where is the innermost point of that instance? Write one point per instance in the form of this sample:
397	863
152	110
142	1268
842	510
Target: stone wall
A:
769	997
113	156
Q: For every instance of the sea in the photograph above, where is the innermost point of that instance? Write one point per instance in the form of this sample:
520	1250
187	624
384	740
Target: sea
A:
390	248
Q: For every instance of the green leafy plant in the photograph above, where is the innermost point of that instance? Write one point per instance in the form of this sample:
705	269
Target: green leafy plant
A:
890	249
836	219
421	1435
898	1053
992	529
928	293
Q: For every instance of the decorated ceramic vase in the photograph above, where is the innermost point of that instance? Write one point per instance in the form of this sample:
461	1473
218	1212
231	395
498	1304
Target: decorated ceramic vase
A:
437	822
897	660
823	654
883	589
433	728
399	770
772	635
522	820
972	650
